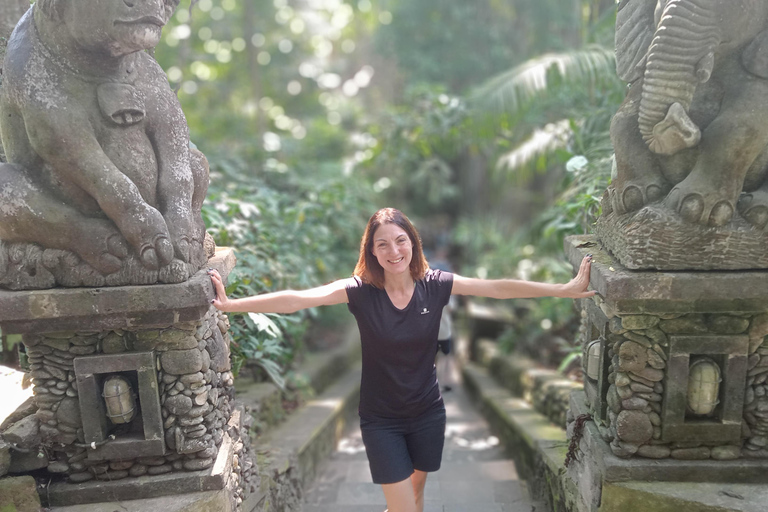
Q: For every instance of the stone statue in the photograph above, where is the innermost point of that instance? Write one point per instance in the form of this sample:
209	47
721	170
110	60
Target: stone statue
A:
101	187
691	138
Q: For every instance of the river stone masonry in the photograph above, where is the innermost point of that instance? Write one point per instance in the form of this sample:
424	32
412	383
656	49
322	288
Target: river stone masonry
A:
173	406
675	363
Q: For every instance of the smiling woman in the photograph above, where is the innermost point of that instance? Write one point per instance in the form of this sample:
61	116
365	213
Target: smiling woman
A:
397	301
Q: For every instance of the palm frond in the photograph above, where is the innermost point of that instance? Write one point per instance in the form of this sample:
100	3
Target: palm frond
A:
512	90
542	142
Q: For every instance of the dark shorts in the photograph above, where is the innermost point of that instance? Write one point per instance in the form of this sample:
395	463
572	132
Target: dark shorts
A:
397	446
444	346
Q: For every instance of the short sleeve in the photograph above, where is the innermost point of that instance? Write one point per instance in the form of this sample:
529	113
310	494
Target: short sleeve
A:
354	291
442	283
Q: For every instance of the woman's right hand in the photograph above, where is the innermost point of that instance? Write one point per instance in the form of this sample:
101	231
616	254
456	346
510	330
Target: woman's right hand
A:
220	299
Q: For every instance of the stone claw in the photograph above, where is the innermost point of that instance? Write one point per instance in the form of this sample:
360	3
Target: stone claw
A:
636	195
754	208
116	246
182	249
694	208
149	258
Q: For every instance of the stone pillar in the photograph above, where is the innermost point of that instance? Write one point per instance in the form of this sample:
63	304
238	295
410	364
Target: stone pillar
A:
675	369
128	382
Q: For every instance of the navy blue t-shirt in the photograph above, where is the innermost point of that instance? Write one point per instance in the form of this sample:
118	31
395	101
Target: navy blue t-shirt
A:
399	346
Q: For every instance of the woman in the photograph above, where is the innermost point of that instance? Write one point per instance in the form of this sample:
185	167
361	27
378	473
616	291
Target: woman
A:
397	301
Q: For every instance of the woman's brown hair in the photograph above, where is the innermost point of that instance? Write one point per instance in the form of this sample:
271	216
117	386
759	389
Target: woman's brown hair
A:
368	268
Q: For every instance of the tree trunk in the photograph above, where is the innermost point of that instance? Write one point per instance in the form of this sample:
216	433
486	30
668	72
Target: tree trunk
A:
10	13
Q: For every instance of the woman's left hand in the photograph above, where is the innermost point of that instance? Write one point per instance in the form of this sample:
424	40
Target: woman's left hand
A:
576	288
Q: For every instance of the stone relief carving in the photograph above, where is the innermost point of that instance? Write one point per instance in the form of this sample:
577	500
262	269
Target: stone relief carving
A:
101	187
692	130
690	185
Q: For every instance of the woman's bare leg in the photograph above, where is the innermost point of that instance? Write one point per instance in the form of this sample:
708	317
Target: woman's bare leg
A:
419	480
400	496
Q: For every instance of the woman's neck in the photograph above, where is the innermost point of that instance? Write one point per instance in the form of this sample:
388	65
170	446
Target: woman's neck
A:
398	282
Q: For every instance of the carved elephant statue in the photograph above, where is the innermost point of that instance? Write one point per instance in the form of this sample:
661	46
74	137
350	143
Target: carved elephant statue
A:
693	129
99	161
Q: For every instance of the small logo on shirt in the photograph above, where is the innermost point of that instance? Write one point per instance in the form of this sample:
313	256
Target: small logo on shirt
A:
425	311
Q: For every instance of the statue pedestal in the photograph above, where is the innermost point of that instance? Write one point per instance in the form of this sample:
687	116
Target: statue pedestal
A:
675	362
133	391
656	238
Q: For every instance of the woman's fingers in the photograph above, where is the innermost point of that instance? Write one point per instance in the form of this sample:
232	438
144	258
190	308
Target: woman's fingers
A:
220	293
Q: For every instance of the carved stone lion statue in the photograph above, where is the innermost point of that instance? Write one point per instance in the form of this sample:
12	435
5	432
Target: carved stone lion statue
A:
101	186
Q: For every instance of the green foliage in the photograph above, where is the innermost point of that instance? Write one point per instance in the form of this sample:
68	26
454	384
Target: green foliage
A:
461	44
417	144
289	231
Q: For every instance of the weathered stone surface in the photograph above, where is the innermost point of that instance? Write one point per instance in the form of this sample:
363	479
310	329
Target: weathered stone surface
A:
19	494
191	379
634	427
727	324
654	360
25	433
113	343
624	392
632	357
729	452
137	470
58	466
180	362
69	412
649	374
758	330
688	324
638	338
197	464
657	336
83	476
699	453
654	451
218	350
622	379
206	359
640	388
615	325
634	403
636	322
178	404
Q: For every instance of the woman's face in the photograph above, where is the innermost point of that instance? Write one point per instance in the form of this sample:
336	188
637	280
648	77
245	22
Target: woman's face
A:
392	248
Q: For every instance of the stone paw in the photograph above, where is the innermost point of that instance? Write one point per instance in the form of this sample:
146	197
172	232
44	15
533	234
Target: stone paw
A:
145	230
633	196
697	208
754	208
101	246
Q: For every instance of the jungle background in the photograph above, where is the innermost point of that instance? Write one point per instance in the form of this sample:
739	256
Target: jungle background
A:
486	122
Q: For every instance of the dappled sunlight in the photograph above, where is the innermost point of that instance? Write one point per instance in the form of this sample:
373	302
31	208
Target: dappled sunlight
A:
13	392
463	434
329	403
351	445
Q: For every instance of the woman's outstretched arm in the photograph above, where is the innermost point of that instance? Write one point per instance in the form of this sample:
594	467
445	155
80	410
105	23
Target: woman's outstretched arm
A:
287	301
576	288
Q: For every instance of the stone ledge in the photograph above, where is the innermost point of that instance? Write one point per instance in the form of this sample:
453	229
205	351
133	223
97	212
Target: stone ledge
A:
546	389
615	469
61	309
290	452
647	291
539	450
178	483
206	501
537	446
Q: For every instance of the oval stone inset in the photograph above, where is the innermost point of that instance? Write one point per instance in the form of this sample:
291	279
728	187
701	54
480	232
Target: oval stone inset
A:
703	386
